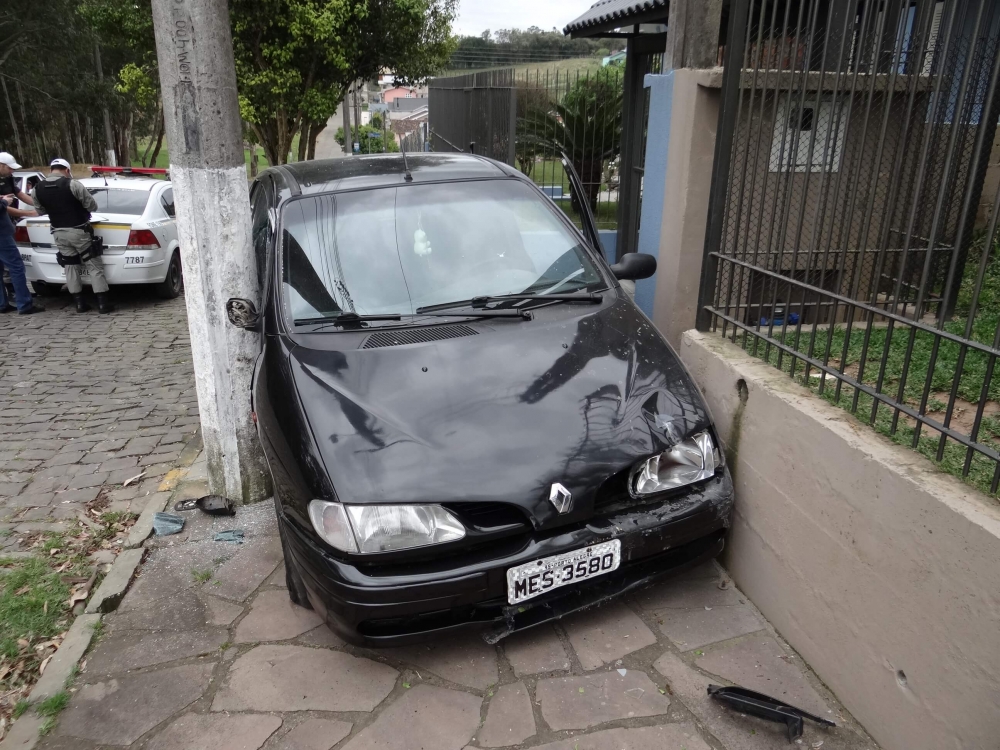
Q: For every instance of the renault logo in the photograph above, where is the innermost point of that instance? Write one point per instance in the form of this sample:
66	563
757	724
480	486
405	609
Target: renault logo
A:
561	498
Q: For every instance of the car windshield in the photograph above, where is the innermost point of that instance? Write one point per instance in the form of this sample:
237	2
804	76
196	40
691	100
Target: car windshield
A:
119	200
393	250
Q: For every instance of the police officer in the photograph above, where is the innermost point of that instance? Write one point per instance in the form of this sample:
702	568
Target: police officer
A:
68	205
10	254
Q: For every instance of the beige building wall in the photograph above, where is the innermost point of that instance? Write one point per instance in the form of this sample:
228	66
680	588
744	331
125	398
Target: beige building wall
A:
882	572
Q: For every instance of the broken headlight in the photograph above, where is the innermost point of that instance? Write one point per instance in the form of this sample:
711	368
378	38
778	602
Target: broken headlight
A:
691	460
383	528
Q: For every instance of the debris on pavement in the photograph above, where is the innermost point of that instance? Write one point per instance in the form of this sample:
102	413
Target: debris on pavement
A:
230	535
129	481
765	707
214	505
165	524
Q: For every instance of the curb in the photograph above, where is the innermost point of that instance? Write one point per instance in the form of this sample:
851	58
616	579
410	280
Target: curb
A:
24	732
113	587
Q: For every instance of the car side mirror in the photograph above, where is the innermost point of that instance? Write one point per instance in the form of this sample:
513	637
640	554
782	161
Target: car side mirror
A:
634	266
243	314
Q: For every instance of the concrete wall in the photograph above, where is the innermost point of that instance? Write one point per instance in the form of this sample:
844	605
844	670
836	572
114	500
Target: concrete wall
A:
879	570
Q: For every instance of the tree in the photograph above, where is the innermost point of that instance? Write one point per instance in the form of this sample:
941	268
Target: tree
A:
124	29
371	139
295	59
586	126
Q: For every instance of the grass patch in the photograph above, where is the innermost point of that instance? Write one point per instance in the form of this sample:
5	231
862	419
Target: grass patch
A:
32	602
47	726
53	705
876	356
201	576
20	707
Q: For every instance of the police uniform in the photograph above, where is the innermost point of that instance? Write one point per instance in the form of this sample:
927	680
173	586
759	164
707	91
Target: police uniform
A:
68	205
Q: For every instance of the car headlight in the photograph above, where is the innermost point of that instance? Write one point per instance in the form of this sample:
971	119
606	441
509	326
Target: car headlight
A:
691	460
382	528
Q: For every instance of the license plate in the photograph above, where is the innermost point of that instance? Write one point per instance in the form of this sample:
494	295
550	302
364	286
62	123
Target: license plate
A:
535	578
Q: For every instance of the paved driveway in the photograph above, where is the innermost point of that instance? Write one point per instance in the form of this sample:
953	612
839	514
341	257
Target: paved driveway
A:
88	402
207	653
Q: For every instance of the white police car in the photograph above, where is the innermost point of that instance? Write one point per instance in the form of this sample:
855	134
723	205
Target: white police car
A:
134	216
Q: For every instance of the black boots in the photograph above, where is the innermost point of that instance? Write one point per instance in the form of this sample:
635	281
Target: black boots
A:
104	304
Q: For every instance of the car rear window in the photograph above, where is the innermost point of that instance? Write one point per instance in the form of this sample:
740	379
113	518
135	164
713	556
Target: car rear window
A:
392	250
120	201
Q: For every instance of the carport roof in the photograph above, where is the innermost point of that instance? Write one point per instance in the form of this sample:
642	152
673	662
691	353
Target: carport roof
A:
607	15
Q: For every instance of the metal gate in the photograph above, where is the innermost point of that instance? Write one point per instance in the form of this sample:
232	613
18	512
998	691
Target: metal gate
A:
843	244
475	113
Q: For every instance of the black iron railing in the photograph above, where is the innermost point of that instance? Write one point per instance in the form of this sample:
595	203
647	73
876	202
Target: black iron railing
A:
850	243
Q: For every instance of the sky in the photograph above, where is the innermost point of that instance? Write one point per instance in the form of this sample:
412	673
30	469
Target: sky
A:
475	16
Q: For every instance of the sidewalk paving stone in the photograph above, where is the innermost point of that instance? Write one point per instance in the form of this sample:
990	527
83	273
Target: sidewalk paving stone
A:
273	617
603	635
215	732
125	652
535	651
464	659
120	710
509	718
589	700
242	574
667	737
315	734
761	664
298	678
424	718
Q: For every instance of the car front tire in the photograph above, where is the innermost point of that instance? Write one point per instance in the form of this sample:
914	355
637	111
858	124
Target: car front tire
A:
296	589
172	286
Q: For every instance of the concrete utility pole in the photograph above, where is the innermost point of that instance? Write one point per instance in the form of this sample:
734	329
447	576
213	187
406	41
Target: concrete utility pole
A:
202	115
109	137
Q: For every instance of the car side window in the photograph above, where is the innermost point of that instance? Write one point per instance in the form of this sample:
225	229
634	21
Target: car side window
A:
167	201
260	229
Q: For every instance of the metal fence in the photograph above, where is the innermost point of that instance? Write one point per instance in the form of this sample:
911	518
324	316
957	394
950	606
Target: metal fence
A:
548	112
849	241
473	113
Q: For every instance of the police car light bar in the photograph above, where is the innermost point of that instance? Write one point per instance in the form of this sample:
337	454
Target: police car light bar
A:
128	170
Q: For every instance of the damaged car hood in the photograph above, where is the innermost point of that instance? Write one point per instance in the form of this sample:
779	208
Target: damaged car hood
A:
573	396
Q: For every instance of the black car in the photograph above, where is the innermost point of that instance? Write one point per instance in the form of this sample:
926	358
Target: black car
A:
468	422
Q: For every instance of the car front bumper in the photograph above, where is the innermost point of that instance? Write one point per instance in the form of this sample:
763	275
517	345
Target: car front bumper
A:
396	606
132	267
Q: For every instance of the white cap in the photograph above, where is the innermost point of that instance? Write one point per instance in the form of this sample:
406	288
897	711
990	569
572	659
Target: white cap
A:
58	163
8	159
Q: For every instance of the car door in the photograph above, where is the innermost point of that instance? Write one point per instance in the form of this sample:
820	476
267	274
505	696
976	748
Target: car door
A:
261	239
589	223
168	228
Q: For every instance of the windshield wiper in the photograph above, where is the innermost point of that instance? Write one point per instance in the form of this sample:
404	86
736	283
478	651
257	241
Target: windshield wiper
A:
523	314
591	297
480	302
347	319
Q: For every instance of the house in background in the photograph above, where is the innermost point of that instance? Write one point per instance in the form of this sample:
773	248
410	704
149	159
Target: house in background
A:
394	92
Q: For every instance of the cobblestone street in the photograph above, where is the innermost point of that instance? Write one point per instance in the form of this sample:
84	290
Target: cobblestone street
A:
88	402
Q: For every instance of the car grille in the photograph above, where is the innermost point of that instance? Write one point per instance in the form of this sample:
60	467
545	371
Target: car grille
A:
416	336
488	515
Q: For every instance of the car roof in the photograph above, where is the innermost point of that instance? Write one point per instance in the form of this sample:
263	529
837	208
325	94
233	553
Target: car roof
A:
350	173
124	183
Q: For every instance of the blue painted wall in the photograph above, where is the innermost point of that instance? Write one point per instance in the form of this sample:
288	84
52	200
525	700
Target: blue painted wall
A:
654	182
609	241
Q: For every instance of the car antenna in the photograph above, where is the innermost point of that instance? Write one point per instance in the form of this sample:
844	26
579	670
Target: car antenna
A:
407	177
